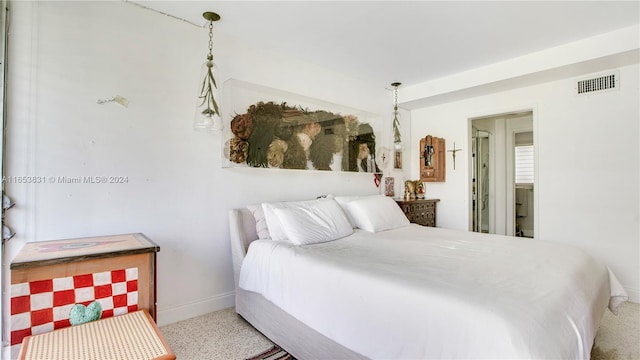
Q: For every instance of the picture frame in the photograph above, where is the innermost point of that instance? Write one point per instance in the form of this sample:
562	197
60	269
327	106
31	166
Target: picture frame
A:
397	159
389	186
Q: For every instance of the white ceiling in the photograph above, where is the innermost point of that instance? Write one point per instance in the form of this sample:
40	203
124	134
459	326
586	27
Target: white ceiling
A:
407	41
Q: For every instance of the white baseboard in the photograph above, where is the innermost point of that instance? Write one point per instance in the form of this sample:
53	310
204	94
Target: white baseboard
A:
168	315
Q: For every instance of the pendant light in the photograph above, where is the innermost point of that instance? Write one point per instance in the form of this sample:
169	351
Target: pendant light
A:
397	136
207	112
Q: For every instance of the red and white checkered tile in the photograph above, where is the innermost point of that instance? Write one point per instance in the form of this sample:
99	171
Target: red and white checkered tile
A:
44	305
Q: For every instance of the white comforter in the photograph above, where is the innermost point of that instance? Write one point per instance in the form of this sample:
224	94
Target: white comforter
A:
417	293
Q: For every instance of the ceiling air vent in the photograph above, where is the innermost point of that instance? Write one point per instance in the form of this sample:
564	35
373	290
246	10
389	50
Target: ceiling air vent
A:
600	82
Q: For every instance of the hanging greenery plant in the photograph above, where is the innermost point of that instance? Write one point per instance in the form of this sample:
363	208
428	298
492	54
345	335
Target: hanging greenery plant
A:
206	92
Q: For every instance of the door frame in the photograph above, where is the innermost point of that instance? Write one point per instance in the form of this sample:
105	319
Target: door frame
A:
510	208
500	222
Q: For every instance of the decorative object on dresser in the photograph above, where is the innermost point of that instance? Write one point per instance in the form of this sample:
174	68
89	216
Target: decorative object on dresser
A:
420	211
420	189
409	189
432	159
48	278
414	189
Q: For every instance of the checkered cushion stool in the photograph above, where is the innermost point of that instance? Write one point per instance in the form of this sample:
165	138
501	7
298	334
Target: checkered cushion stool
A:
133	336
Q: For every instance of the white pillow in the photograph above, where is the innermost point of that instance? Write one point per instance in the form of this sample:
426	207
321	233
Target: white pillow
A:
344	203
377	213
273	223
313	222
261	222
276	230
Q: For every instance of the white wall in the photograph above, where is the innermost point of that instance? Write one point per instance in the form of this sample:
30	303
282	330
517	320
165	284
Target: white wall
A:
63	58
587	163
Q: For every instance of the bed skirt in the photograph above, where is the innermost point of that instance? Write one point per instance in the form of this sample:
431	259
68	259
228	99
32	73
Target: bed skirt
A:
289	333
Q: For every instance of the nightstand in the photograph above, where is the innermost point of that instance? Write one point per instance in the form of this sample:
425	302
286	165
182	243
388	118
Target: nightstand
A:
419	211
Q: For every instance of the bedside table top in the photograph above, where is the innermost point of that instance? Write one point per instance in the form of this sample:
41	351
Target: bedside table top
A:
42	253
402	200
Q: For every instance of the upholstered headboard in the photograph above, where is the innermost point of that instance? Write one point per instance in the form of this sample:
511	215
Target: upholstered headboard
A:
242	231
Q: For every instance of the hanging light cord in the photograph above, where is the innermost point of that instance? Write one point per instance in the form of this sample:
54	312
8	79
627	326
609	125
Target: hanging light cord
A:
210	56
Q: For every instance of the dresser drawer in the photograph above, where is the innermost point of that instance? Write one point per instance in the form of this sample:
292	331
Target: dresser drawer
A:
422	211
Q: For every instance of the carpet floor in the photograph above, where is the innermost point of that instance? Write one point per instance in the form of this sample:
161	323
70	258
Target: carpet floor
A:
225	335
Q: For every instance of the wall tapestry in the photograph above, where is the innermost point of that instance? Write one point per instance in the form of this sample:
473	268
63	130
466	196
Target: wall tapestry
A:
269	128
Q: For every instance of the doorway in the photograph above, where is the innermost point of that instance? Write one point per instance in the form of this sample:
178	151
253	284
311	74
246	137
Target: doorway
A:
502	174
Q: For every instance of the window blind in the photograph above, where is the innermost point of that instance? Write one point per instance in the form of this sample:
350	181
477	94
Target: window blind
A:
524	164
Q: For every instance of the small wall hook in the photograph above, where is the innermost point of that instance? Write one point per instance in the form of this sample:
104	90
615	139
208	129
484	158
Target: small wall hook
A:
7	203
7	233
119	99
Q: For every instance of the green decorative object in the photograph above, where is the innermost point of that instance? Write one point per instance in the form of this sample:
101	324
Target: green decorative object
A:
81	314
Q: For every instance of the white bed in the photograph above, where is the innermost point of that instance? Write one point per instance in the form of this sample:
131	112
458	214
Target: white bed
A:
405	291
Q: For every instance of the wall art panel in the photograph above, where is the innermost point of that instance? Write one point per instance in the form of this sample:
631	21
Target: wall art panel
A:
270	128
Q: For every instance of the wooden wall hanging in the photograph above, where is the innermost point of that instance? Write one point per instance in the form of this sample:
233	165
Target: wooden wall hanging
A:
432	159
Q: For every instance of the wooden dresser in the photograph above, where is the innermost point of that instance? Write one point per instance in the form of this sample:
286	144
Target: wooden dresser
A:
419	211
49	277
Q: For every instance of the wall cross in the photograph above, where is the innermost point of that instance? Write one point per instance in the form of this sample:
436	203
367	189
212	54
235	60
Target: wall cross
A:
453	152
